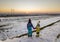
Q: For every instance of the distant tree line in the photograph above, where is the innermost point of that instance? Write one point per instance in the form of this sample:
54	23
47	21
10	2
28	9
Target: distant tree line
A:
14	15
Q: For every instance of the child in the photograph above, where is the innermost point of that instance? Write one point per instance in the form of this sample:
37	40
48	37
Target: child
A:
29	28
37	29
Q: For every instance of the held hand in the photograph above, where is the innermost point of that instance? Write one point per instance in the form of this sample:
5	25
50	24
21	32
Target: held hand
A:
34	28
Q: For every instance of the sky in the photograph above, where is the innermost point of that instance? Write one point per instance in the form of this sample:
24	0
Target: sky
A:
30	6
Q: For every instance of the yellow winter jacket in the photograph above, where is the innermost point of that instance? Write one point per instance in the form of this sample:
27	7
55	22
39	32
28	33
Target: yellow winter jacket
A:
38	28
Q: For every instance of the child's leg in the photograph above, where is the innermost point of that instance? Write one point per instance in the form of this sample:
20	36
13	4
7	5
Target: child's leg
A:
37	34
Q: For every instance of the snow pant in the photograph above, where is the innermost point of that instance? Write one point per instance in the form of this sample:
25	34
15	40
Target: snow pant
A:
30	33
37	34
37	31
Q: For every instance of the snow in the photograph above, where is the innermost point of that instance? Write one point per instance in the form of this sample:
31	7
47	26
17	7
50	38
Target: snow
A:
47	35
21	28
58	40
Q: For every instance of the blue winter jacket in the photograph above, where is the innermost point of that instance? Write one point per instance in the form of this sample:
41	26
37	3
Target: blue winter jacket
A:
29	27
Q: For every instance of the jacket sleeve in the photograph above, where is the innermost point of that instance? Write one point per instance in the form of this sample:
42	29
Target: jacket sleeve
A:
32	25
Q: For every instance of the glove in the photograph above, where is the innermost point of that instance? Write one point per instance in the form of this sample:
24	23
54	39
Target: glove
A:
34	28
